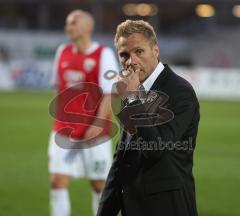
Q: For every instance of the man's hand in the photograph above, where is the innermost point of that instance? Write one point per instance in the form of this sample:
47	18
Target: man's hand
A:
92	132
128	83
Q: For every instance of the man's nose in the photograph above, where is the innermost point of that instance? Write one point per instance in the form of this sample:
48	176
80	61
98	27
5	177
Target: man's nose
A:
132	61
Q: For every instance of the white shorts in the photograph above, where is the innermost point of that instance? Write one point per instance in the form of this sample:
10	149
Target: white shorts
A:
93	163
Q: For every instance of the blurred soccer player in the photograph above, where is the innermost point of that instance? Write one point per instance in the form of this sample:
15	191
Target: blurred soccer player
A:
82	60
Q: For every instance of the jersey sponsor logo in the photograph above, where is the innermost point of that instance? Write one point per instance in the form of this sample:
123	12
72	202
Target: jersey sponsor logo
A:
89	64
72	77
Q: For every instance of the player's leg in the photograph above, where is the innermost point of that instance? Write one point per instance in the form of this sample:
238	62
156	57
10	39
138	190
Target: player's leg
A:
59	195
62	166
97	162
97	188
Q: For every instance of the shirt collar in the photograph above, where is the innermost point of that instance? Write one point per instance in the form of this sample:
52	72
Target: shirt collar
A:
88	51
153	76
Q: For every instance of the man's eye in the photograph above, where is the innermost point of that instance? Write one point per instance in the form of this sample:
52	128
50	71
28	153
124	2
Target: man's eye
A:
139	51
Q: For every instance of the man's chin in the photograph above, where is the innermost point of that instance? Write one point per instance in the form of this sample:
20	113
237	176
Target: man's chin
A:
142	76
71	38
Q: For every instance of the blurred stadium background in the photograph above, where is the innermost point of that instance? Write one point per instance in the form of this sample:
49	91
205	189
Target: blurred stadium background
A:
199	38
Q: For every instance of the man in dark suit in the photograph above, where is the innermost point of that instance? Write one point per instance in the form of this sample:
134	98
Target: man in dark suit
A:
152	170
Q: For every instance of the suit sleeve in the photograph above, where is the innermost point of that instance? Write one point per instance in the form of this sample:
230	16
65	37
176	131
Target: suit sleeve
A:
110	204
183	105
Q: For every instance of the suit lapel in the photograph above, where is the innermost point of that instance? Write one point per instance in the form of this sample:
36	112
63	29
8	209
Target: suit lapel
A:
157	85
162	78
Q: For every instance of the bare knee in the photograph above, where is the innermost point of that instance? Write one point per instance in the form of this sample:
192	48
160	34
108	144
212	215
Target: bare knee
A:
97	185
59	181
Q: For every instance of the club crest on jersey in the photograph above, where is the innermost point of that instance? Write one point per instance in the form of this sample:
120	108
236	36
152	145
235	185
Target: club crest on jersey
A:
88	64
64	64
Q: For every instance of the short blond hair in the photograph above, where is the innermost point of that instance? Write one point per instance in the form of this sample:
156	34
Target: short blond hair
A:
128	27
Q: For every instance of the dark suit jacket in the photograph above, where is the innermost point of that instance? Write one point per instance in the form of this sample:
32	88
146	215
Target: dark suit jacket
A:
157	182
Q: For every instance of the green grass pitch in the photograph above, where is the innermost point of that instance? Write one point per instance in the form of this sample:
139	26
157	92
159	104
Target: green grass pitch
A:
24	131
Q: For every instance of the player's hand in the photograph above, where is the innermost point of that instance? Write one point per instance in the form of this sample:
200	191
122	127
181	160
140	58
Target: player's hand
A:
92	132
128	83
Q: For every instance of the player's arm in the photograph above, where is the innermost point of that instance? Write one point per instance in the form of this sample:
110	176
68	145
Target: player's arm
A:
105	107
103	113
107	62
54	75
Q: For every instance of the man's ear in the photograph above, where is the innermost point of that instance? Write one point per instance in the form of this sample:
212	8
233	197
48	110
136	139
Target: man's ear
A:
156	51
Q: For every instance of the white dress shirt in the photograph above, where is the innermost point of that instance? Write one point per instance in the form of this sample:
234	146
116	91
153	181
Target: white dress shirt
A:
153	76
